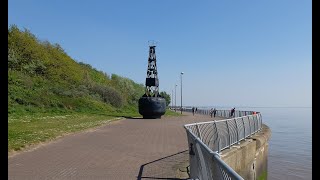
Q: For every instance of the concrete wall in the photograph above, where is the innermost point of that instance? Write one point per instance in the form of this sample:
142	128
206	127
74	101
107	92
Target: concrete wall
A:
250	158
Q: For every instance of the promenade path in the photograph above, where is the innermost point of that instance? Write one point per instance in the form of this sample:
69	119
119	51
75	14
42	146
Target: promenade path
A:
131	148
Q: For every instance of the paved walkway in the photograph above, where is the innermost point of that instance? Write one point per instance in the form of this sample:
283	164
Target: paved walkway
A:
125	149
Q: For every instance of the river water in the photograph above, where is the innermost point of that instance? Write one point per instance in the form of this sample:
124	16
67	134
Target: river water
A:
290	146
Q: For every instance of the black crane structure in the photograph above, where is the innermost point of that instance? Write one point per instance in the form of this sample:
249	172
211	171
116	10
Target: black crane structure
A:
151	104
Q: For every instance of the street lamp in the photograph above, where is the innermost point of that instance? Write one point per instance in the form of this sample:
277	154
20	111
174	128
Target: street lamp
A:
181	92
171	98
175	98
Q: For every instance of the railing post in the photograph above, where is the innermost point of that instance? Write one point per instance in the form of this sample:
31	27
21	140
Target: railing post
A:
229	134
215	125
249	126
244	129
260	117
254	124
197	127
257	122
238	138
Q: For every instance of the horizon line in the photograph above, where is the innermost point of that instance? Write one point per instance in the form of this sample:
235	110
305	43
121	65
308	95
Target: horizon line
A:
256	106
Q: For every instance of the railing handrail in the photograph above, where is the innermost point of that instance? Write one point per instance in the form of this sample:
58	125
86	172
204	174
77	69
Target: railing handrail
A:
233	131
216	156
208	122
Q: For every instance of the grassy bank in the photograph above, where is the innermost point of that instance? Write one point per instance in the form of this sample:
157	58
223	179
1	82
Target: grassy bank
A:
27	130
51	94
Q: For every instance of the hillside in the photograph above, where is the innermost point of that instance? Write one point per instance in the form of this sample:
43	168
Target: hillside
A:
50	94
42	78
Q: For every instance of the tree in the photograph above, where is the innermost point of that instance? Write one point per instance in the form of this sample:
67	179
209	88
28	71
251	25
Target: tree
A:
166	97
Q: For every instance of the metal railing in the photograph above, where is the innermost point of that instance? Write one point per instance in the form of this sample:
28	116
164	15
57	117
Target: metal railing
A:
207	139
206	164
220	113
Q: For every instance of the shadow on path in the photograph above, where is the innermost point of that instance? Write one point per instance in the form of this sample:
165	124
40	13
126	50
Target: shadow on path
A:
166	168
130	117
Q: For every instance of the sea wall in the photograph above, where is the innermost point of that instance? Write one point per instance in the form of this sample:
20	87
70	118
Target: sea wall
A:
250	158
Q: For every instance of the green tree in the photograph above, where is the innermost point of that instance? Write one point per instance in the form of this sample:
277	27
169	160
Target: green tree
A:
166	97
43	77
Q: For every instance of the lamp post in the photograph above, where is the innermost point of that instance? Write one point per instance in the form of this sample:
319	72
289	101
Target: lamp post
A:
181	92
175	98
171	98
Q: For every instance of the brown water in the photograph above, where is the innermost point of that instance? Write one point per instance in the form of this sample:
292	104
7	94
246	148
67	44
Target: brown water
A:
290	146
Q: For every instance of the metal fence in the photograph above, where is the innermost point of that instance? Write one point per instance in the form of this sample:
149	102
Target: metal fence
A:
207	139
206	164
221	113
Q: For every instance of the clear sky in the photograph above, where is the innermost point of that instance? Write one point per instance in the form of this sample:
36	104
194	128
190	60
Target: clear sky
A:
232	52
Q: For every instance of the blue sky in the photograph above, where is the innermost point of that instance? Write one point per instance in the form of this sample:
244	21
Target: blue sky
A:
232	53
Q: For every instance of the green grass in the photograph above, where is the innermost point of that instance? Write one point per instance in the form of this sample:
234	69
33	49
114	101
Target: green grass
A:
172	113
29	130
35	128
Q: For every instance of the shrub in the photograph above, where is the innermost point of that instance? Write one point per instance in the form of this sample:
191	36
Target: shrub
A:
108	94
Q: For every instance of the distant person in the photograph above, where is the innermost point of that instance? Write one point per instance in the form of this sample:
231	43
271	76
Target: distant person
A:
211	112
193	110
214	112
196	110
232	112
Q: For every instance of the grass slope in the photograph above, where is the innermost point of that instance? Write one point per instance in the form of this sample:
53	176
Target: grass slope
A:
51	94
